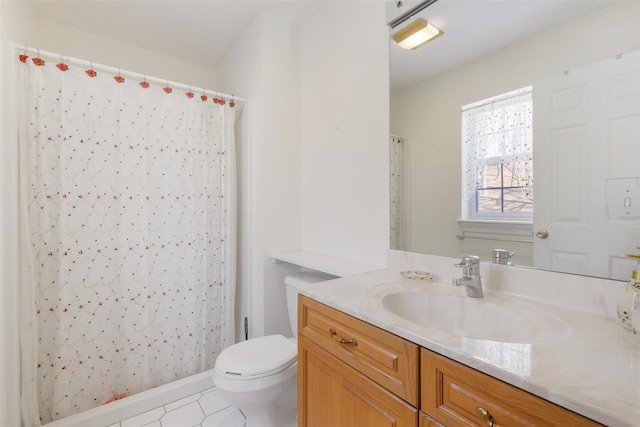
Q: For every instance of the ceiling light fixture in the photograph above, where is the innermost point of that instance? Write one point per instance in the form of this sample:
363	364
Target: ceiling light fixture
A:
416	34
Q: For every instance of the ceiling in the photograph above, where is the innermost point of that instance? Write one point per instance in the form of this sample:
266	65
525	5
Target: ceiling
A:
474	28
203	31
200	31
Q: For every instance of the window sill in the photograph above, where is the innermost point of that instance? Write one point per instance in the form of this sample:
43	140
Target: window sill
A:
512	231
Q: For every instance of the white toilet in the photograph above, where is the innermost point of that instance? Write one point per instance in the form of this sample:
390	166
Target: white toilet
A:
260	376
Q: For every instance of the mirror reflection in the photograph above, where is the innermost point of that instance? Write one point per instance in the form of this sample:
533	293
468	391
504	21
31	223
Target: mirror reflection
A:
464	177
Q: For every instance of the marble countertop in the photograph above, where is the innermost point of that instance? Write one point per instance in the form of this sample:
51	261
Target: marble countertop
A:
581	361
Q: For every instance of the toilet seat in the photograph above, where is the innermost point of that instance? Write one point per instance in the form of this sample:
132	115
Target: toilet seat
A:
257	358
260	376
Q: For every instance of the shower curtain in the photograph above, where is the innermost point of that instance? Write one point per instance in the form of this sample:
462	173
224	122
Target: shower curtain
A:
128	210
396	190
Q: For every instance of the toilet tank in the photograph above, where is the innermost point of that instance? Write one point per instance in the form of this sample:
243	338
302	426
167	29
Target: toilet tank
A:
292	284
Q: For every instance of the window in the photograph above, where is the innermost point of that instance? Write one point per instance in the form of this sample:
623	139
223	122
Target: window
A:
497	158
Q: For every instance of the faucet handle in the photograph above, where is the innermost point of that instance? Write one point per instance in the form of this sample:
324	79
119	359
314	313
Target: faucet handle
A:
501	256
469	264
468	261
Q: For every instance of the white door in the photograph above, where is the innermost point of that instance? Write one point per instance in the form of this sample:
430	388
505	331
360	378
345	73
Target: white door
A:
586	132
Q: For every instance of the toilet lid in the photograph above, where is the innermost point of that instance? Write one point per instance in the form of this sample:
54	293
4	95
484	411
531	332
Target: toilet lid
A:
257	356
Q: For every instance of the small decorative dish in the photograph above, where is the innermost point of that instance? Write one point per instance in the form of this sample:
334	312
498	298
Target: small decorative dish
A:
417	275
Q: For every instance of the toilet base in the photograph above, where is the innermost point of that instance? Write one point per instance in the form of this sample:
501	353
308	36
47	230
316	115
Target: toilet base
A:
273	406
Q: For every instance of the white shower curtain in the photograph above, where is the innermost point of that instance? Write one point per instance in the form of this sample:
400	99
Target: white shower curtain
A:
396	190
129	197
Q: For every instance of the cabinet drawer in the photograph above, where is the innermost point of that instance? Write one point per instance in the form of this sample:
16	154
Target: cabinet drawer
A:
331	393
451	393
385	358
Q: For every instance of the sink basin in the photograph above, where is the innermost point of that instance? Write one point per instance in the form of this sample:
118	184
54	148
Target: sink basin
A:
491	319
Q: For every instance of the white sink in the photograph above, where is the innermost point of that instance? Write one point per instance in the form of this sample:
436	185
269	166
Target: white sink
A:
492	319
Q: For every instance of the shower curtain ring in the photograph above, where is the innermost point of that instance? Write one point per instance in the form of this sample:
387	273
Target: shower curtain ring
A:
119	77
37	60
23	57
61	65
91	72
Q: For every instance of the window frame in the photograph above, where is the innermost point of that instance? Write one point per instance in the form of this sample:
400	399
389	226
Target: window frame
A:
470	219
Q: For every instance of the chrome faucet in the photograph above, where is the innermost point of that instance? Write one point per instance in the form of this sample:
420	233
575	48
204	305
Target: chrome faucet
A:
470	276
501	256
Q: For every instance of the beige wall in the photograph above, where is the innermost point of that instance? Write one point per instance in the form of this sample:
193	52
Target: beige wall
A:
69	41
21	25
313	159
17	22
315	162
428	115
263	66
331	81
345	128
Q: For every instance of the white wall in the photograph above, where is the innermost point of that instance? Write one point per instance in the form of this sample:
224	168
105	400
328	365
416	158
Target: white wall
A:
69	41
264	68
427	114
18	19
345	132
314	159
17	22
236	75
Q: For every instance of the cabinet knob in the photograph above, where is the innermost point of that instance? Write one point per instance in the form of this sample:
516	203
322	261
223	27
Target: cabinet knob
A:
486	416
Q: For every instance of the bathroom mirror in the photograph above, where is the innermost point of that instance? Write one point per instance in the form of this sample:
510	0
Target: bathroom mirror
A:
492	47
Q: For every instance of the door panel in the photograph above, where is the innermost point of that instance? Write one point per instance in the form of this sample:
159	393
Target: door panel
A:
587	168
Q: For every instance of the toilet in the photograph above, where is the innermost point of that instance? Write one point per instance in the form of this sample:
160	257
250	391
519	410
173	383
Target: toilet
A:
260	376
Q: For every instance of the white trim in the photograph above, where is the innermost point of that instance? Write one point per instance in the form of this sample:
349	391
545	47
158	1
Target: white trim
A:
254	267
501	97
326	264
138	403
521	231
494	217
9	257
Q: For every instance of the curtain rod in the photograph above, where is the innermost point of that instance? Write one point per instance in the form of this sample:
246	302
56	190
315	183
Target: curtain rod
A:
117	71
409	13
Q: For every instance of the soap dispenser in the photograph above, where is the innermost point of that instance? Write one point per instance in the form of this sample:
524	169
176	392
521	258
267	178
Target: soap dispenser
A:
629	305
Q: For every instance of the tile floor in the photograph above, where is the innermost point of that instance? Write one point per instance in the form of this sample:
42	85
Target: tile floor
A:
205	409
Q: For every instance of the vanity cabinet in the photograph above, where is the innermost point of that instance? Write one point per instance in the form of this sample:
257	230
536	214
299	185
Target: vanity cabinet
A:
353	374
456	395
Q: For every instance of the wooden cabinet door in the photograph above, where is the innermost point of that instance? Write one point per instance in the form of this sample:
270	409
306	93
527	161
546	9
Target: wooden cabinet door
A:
427	421
333	394
452	394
